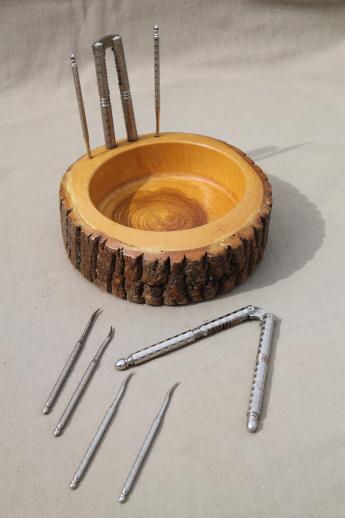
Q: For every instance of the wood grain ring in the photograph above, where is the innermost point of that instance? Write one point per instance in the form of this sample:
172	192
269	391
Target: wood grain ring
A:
168	220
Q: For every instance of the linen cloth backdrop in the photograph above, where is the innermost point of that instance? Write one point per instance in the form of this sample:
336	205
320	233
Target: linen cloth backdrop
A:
267	76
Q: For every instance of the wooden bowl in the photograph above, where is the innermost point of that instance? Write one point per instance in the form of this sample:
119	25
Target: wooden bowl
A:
167	220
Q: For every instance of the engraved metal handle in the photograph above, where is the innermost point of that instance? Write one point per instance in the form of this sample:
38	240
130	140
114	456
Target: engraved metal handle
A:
104	95
156	60
125	92
266	320
186	338
258	385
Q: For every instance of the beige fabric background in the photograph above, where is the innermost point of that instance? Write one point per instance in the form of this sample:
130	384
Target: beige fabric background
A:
267	76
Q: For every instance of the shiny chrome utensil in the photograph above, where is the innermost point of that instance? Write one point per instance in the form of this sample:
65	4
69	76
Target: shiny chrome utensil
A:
145	447
69	364
99	48
125	91
266	320
82	386
157	77
186	338
260	371
99	435
80	101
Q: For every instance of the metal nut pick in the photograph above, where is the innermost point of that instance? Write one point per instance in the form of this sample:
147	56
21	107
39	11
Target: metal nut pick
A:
69	364
125	91
145	448
266	320
99	435
156	59
99	48
80	101
82	385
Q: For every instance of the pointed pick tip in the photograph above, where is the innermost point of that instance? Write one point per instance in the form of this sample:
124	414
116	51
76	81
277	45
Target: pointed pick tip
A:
130	375
97	312
93	317
174	386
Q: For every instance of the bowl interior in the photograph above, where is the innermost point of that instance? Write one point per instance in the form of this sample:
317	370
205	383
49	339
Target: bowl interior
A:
167	186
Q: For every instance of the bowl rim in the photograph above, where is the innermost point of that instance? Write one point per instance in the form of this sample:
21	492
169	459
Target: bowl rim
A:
76	183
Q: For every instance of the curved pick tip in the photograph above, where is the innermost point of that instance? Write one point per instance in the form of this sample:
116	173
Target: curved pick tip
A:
129	376
73	58
73	484
122	498
110	335
252	424
92	319
171	390
98	310
121	364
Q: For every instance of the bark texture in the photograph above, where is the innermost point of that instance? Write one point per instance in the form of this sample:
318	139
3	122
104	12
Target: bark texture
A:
167	278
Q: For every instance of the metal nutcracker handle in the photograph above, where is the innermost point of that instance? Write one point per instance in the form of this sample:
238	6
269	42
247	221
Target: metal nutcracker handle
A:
251	312
258	385
99	48
125	91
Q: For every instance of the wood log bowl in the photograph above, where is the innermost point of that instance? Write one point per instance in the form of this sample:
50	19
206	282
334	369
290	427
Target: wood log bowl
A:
168	220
